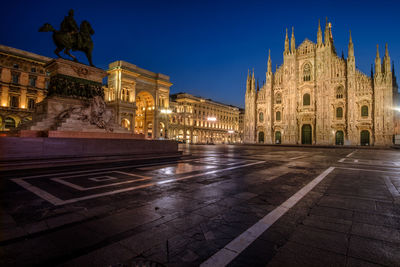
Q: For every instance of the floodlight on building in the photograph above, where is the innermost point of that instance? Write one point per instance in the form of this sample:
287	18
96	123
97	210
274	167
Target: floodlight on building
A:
231	131
212	119
166	111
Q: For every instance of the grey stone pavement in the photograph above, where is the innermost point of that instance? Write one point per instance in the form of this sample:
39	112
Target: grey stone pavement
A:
188	212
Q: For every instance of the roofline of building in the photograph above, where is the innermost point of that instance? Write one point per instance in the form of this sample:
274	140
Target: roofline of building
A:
133	68
202	99
24	54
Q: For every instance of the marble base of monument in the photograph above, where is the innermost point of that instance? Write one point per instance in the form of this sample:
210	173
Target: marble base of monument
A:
52	148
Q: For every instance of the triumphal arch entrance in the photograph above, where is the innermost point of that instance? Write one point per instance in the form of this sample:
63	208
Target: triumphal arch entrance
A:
139	97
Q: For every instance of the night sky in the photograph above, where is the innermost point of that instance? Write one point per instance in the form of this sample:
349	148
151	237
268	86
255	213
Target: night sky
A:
205	47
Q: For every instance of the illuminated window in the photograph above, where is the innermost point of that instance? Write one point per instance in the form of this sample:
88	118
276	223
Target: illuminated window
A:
339	92
278	99
339	113
14	101
32	81
306	99
278	116
364	111
31	104
15	78
307	72
9	123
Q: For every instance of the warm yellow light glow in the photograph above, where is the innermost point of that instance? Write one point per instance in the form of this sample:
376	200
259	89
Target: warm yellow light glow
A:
212	119
22	106
231	132
4	104
166	111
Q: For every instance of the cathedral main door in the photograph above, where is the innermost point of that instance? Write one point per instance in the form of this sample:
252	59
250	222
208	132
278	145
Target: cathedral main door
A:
339	138
306	135
364	138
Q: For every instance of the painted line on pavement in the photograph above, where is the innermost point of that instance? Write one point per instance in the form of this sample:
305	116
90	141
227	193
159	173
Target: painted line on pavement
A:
392	189
39	192
224	256
349	155
80	188
57	202
341	160
105	169
299	157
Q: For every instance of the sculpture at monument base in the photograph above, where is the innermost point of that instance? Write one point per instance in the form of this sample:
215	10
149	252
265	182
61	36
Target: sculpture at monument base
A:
96	114
74	103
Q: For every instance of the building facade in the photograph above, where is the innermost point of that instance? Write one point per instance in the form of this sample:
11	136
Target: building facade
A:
23	83
197	120
140	98
316	97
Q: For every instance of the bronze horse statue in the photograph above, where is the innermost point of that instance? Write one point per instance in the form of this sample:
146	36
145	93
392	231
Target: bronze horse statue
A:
77	41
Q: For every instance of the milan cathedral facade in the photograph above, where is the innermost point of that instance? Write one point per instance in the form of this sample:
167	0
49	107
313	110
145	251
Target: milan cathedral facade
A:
316	97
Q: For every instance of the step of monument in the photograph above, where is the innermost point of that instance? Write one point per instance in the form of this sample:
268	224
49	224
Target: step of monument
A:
73	129
78	125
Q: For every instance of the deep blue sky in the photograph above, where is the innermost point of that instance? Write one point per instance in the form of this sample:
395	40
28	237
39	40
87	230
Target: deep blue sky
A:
205	47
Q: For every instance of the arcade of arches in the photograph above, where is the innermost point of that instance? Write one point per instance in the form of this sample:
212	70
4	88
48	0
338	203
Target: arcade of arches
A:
197	120
140	98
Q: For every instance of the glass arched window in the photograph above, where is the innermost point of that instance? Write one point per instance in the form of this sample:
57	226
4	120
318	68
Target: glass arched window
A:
339	92
278	99
261	117
307	72
278	116
9	123
306	100
364	111
339	112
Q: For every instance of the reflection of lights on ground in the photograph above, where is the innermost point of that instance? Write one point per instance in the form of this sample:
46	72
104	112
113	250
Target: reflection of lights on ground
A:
184	168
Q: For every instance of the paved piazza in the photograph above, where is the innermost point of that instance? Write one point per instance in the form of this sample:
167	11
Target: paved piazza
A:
221	205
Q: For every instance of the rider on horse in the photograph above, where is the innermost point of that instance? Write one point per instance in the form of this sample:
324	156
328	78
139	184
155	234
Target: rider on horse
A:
69	26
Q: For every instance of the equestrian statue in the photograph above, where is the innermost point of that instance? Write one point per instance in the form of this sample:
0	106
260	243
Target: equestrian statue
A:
72	37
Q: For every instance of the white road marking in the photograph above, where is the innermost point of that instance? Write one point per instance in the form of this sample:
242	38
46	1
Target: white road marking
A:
299	157
391	187
39	192
356	160
341	160
80	188
209	172
349	155
56	201
104	169
224	256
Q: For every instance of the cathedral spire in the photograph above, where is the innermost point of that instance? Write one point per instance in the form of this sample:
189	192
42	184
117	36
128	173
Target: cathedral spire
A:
269	65
327	33
293	43
248	82
286	43
386	60
377	61
253	82
351	47
319	34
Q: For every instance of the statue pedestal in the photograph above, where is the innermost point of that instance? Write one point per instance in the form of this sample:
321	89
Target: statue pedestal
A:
74	103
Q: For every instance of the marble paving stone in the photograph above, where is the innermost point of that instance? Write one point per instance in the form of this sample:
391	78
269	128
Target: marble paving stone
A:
322	239
376	251
293	254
